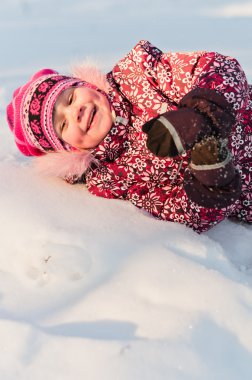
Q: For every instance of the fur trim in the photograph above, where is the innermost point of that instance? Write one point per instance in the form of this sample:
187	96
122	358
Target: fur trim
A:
90	73
64	164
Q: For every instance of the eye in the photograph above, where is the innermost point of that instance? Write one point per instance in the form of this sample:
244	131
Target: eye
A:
70	99
62	127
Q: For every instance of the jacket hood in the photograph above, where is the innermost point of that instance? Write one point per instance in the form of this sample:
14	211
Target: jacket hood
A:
91	74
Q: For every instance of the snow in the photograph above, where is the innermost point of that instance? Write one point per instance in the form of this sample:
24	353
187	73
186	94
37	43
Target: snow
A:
93	288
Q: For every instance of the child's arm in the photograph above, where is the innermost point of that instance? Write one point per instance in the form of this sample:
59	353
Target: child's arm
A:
148	77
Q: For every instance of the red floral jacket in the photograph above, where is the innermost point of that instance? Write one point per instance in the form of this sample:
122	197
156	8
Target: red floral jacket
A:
145	84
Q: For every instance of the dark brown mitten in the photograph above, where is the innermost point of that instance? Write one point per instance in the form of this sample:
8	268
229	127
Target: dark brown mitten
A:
173	132
159	140
214	106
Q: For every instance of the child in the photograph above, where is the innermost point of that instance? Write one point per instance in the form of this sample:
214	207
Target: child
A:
169	132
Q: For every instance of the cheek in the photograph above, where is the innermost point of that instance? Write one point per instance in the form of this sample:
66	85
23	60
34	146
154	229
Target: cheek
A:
105	103
72	136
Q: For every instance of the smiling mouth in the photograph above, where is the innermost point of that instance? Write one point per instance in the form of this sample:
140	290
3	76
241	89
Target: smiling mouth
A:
92	115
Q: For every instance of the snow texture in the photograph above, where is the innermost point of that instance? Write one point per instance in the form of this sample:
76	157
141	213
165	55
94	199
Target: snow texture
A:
93	288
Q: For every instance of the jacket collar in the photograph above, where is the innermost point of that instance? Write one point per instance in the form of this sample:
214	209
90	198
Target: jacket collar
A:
116	141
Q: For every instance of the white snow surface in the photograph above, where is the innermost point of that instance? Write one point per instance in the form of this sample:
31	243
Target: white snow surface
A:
96	289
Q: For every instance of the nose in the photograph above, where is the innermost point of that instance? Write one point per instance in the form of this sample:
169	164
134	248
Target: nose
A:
74	114
78	112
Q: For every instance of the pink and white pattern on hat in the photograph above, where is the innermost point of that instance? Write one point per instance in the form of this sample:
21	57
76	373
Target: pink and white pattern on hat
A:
30	114
37	110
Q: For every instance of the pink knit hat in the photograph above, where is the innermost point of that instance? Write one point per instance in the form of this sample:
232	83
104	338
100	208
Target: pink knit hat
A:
30	114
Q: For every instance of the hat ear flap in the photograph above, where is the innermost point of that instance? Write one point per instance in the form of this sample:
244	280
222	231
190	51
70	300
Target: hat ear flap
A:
43	72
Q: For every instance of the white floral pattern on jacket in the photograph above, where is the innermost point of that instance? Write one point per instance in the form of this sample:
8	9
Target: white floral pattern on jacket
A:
145	84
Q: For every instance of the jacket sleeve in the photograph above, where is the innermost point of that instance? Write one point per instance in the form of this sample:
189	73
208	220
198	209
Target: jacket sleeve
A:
103	182
158	76
173	204
170	203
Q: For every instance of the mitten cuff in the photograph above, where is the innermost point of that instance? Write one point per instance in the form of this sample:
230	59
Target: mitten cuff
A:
218	174
174	134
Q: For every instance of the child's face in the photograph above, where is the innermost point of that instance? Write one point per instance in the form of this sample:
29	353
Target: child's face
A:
82	117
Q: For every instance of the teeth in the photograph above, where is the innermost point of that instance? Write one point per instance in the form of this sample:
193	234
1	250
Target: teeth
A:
91	117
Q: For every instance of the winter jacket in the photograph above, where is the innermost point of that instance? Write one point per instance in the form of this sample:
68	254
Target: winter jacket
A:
147	83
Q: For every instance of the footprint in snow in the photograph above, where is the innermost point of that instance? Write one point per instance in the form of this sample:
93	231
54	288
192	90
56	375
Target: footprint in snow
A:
53	261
